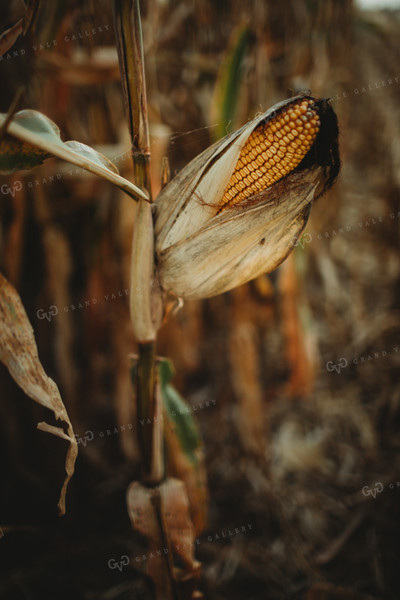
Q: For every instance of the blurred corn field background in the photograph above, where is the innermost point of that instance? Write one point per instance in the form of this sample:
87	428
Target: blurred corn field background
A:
293	378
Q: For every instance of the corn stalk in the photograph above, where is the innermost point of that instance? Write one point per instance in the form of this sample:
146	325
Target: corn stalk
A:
145	303
142	295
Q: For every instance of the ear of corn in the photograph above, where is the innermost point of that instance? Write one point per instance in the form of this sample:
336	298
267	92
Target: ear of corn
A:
273	150
204	249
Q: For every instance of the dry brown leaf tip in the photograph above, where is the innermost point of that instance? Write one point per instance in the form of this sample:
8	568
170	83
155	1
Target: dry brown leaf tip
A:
18	351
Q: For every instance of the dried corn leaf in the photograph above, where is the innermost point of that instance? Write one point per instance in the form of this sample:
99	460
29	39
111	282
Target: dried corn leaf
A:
177	517
38	138
162	515
144	518
18	351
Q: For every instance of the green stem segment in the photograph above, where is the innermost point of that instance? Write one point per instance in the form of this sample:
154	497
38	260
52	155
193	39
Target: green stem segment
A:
145	393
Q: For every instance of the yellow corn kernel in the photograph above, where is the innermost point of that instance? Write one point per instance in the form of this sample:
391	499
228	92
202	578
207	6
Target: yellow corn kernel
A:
279	145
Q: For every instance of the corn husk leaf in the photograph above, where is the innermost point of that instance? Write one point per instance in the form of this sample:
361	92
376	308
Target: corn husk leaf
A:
19	353
202	252
239	244
32	137
144	301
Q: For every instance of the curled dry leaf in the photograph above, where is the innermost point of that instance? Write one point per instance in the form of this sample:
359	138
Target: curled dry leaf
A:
18	351
234	211
162	515
32	137
179	525
144	518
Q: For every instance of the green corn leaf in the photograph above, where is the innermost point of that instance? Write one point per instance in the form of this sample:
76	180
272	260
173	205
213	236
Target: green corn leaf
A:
184	446
179	413
229	82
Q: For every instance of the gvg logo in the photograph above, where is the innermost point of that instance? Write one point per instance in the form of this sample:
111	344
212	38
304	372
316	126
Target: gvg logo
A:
52	312
6	189
89	435
114	564
341	364
377	489
306	238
